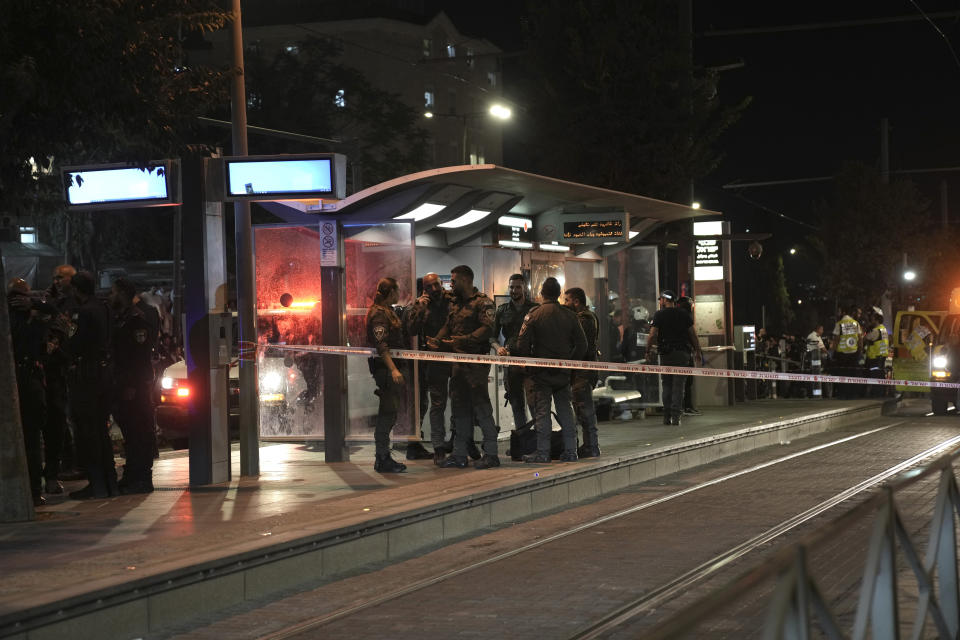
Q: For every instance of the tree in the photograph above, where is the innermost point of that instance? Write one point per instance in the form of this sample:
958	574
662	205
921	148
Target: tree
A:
615	100
865	229
97	81
305	90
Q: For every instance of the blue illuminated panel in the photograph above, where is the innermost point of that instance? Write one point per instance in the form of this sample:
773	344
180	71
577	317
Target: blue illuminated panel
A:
136	187
310	177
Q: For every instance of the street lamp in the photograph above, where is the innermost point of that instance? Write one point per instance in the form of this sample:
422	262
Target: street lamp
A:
496	111
909	275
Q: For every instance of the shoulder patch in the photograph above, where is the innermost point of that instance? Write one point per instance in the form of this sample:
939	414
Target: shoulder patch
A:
379	332
489	313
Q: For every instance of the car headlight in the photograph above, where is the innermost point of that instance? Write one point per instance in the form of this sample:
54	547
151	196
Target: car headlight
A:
166	382
940	362
271	382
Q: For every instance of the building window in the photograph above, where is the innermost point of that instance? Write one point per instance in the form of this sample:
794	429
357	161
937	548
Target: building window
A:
492	78
429	101
470	60
427	47
451	51
28	235
339	99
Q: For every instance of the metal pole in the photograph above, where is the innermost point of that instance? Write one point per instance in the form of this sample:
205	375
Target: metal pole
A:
177	275
246	310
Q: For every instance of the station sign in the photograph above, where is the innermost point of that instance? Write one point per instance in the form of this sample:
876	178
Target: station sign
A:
285	177
515	229
121	185
609	229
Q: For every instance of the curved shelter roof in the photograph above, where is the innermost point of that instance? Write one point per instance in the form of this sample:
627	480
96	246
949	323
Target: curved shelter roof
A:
464	201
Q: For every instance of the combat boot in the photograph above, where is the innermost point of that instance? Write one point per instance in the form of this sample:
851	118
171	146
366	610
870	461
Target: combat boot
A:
568	456
473	450
454	462
537	458
416	451
487	462
439	456
386	464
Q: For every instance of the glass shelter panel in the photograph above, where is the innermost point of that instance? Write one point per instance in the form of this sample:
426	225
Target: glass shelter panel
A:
633	291
372	252
287	266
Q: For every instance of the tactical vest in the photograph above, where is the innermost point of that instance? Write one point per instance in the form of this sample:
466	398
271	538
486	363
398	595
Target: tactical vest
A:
881	347
849	331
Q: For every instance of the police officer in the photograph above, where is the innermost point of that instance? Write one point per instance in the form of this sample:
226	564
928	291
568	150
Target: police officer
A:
583	381
58	439
876	342
88	385
508	320
28	335
385	332
468	329
133	341
552	331
425	319
672	335
846	345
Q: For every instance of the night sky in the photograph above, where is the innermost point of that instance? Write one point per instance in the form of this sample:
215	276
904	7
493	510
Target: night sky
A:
818	95
818	99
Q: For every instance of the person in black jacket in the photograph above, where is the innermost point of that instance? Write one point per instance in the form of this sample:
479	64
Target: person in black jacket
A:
89	382
552	331
583	381
133	341
675	339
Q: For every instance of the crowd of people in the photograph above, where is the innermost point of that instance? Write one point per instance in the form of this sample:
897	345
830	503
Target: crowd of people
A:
79	361
858	346
465	320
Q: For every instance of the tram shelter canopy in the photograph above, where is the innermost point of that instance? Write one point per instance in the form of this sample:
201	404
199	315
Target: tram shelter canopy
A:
460	202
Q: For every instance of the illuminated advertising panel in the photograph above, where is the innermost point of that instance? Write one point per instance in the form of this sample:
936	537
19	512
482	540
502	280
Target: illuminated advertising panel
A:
285	177
116	186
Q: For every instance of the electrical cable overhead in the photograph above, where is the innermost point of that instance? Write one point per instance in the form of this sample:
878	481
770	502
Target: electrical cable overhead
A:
938	30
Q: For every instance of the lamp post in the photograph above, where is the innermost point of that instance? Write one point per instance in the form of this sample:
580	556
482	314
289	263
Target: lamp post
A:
496	111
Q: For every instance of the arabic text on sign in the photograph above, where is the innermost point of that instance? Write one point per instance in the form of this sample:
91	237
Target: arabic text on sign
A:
593	229
708	253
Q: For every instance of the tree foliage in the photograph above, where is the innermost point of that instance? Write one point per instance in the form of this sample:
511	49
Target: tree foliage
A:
866	228
93	81
615	99
298	90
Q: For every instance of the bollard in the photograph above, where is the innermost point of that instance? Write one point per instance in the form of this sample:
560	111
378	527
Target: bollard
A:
815	370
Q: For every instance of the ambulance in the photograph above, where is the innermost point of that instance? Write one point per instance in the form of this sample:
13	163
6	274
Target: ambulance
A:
945	359
911	343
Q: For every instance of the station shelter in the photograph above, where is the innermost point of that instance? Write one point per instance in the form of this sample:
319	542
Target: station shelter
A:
497	220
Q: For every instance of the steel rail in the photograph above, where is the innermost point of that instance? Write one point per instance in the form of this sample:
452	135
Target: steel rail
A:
657	596
784	559
324	619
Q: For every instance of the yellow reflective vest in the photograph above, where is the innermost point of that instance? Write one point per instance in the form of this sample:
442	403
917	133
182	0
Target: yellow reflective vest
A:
849	332
880	347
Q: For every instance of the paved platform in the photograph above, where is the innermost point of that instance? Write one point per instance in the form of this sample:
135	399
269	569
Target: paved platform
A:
124	566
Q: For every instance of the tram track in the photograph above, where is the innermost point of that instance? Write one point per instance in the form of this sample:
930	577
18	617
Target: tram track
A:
653	597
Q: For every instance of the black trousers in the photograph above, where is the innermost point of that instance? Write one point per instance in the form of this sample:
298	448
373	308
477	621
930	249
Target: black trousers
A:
134	415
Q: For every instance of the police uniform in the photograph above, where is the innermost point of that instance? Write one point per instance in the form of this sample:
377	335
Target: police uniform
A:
425	321
28	336
133	341
89	384
582	384
384	332
469	327
508	320
552	331
877	349
847	336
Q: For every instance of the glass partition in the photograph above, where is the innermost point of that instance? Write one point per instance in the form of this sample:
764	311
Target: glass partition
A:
372	252
633	290
287	268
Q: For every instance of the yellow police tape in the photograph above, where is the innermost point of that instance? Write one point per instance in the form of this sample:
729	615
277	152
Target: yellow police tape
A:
611	367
